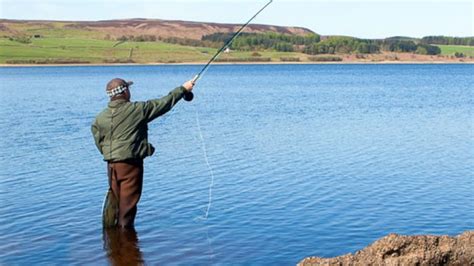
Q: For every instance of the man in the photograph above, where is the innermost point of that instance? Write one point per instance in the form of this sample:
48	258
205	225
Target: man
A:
121	134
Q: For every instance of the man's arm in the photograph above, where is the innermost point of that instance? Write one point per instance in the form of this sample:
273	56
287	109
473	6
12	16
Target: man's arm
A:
158	107
96	134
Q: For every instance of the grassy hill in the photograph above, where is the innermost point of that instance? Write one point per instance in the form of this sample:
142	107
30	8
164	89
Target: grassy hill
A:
68	42
81	50
44	42
113	29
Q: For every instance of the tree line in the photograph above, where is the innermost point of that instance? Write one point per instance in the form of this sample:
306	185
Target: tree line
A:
468	41
343	45
172	40
264	41
312	44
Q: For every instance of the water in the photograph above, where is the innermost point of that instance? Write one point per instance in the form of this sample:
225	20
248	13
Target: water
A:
309	160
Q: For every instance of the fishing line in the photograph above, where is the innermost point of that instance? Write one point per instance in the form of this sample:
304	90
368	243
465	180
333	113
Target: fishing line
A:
189	97
206	158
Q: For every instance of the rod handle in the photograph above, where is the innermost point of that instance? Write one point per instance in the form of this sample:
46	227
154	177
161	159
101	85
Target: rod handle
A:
189	96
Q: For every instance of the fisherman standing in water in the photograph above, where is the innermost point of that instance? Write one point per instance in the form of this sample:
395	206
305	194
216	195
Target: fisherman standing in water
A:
121	134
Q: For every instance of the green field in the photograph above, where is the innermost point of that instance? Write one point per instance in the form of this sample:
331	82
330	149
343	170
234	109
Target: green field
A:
85	50
56	43
452	49
98	51
59	46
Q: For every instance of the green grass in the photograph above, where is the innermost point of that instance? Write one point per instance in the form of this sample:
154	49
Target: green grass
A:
99	51
58	42
61	43
103	51
451	49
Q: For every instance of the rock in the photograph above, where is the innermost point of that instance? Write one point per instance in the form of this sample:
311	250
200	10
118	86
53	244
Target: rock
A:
397	250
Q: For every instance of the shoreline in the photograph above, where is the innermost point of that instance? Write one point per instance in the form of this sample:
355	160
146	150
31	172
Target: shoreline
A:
248	63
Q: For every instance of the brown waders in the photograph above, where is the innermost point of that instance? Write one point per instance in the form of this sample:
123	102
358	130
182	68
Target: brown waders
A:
126	181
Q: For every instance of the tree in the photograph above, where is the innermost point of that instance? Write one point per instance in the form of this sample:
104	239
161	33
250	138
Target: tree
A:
363	48
421	50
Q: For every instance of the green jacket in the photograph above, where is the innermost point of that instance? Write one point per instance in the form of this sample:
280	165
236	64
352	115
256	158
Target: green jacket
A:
121	130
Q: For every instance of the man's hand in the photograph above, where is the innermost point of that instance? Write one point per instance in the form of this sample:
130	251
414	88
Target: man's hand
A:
188	85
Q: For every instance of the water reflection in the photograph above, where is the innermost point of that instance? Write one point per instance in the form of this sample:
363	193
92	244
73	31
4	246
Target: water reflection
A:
122	246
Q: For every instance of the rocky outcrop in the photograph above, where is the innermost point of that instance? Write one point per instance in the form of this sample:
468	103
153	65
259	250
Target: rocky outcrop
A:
408	250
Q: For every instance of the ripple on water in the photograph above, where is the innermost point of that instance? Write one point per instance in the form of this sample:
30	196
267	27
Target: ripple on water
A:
303	168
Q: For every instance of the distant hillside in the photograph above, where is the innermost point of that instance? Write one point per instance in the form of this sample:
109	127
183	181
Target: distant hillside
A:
146	41
139	26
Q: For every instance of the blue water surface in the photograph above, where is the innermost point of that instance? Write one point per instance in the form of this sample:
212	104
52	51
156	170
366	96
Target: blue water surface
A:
308	160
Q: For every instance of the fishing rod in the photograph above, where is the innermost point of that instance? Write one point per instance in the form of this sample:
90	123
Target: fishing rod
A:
189	96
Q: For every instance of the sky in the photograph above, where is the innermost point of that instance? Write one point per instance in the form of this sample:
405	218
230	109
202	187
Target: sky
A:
358	18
